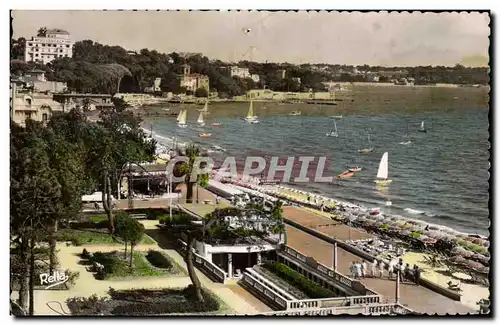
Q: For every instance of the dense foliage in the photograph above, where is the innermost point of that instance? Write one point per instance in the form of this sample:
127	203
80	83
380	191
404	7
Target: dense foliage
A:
52	166
144	302
101	68
297	280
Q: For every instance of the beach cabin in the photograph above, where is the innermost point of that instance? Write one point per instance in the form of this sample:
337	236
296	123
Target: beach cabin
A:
225	191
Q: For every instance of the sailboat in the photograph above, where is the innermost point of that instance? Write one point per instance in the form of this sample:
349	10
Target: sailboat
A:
422	128
383	170
369	149
204	110
181	119
251	118
200	121
406	136
333	133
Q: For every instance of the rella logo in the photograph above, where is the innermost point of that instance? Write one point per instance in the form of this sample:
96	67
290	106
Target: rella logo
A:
54	279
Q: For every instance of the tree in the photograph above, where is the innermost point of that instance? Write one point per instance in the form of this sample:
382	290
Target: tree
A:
130	231
202	181
201	92
35	194
186	169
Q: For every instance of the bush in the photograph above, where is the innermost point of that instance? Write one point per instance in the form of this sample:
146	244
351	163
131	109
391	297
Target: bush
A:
384	226
159	260
75	241
112	263
305	285
415	235
85	254
154	214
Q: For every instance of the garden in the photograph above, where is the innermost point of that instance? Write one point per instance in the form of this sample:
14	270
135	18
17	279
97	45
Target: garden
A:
118	264
92	230
294	282
143	302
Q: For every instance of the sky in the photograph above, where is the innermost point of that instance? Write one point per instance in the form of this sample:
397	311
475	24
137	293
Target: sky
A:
378	38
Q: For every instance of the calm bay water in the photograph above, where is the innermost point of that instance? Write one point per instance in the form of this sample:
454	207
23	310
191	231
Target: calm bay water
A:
441	177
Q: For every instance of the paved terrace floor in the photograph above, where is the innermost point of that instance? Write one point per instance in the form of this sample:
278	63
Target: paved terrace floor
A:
415	297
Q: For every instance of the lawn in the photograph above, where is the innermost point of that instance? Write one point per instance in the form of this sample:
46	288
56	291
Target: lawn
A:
116	265
80	237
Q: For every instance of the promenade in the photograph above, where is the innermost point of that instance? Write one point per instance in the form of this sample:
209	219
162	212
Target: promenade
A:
415	297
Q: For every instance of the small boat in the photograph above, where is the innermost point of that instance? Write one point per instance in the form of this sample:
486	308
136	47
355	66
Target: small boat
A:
251	118
422	127
369	149
205	135
383	170
200	121
375	211
166	109
181	119
334	132
295	113
337	117
355	169
346	174
216	124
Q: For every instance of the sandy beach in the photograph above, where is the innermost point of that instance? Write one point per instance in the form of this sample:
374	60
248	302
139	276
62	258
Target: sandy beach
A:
471	293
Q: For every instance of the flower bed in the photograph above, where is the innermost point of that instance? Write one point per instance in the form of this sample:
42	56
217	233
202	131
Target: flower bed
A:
281	283
311	289
114	264
144	302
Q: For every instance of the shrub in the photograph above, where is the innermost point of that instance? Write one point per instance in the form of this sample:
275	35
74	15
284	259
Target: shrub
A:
85	254
72	276
154	214
112	263
75	241
305	285
384	226
164	220
158	260
415	235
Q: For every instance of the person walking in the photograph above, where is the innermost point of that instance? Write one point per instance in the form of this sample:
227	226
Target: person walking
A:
359	270
374	268
364	269
352	268
408	272
381	268
401	269
391	270
416	274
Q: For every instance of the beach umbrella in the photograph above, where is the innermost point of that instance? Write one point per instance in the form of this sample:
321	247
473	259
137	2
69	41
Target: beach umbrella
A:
461	276
458	259
486	244
474	265
460	251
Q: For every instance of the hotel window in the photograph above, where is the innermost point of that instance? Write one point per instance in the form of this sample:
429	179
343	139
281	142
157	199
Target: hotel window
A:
30	44
45	117
67	45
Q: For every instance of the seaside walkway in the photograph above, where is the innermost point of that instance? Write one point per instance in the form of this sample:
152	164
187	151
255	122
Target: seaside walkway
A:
415	297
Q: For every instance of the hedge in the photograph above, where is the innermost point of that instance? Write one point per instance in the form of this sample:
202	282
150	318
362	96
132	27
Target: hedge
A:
296	279
158	260
112	263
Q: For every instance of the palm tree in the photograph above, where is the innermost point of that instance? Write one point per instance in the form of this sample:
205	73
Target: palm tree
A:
203	182
192	152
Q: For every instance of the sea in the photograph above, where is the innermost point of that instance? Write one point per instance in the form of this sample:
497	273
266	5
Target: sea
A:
441	177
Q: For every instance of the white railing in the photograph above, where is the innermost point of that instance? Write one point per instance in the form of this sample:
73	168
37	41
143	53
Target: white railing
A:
338	277
273	286
208	266
333	302
350	310
264	289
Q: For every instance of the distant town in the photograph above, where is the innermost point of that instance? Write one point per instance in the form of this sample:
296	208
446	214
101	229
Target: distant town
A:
51	72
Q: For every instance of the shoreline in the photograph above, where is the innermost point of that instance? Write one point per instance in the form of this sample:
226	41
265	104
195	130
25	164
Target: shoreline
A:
165	143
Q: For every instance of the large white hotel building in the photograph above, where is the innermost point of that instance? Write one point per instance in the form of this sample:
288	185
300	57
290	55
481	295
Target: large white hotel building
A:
48	45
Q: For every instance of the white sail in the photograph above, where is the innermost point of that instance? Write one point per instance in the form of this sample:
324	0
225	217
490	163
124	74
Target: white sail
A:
200	118
250	111
335	123
422	125
205	108
383	168
183	117
179	115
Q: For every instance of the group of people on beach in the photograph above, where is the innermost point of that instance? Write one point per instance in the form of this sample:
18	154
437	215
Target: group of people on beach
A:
359	270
